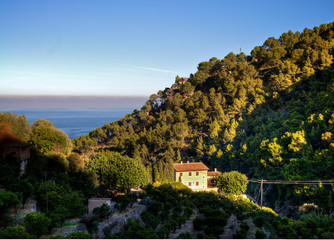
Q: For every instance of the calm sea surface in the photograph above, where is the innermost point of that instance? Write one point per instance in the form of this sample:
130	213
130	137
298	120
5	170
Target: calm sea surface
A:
75	123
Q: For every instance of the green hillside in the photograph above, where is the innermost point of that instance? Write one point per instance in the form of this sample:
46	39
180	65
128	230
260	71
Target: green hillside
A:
269	115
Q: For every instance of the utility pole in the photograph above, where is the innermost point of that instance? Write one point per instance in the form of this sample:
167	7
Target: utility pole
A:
261	192
46	193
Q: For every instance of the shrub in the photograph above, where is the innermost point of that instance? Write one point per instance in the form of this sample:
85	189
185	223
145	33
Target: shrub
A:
134	229
79	235
102	212
22	187
122	201
91	223
150	220
17	232
57	237
308	207
155	207
8	200
188	212
259	221
163	232
243	231
197	222
260	234
37	224
269	210
185	235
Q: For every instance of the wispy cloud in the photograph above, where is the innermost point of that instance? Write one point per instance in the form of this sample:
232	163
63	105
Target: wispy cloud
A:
150	69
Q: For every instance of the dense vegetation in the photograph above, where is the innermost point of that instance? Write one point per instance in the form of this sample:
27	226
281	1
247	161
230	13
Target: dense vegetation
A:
268	115
53	176
211	216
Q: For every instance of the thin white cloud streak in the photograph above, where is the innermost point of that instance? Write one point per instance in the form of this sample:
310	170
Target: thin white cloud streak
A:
151	69
154	69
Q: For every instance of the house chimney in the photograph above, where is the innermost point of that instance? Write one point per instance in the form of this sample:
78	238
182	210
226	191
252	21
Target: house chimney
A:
181	162
187	161
215	169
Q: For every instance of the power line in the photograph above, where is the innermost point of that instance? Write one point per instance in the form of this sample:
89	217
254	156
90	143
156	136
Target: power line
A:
312	182
297	182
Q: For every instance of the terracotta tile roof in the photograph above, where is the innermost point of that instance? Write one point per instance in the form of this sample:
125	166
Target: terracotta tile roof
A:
213	173
183	167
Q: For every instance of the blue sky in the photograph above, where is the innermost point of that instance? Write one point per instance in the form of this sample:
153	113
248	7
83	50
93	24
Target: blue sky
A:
132	48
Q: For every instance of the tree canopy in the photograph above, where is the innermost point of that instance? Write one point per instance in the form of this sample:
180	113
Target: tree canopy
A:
47	138
116	171
231	182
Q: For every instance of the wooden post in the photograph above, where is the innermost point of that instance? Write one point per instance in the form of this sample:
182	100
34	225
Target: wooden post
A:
261	192
46	194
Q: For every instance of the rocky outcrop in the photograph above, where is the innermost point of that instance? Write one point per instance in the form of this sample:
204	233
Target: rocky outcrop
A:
188	226
118	220
287	210
231	228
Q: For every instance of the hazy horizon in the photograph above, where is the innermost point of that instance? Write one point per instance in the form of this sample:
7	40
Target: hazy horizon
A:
71	103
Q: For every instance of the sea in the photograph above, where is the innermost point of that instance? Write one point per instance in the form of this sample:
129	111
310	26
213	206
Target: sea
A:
77	122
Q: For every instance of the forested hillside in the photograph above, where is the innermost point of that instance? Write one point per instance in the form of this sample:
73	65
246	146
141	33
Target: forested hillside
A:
269	115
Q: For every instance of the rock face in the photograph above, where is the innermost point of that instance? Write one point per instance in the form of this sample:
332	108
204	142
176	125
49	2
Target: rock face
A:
287	210
29	207
231	228
188	226
118	221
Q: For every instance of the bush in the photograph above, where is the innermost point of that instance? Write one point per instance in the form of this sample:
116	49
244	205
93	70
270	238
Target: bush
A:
188	212
155	207
150	220
242	234
231	182
259	221
102	212
308	207
122	201
79	235
37	224
8	200
23	188
260	234
163	232
17	232
57	237
91	223
185	235
198	222
134	229
61	196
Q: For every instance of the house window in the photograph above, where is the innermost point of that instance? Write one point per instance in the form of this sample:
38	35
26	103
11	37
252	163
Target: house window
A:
189	184
181	174
197	173
189	174
197	183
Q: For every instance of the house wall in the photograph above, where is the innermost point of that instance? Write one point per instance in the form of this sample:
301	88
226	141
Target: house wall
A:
21	153
190	181
98	202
